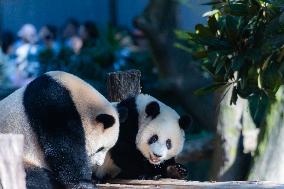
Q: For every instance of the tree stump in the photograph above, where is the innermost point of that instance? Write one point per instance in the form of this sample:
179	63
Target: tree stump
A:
12	174
124	84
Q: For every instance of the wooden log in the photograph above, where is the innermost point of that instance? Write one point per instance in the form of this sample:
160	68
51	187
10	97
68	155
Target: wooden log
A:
181	184
12	174
195	150
124	84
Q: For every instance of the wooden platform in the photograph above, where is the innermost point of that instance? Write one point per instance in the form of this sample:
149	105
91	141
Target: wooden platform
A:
181	184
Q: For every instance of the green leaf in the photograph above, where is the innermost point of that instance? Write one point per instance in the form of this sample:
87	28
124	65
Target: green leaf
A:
212	42
210	13
213	24
232	29
200	54
203	31
182	35
212	2
183	47
219	66
237	62
238	8
209	89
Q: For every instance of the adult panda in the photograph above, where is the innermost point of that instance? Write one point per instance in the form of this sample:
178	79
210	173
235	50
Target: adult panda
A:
68	128
149	139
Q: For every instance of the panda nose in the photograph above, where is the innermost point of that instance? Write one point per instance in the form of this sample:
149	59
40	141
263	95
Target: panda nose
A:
157	155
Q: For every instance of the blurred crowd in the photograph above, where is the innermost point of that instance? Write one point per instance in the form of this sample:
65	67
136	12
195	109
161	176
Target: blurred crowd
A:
20	53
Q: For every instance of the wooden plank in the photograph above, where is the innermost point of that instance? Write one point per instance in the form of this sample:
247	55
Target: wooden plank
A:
12	174
177	184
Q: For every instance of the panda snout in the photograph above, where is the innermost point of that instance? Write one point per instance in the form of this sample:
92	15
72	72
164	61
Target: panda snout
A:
157	155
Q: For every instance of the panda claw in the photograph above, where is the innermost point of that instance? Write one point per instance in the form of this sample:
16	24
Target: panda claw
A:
157	177
177	171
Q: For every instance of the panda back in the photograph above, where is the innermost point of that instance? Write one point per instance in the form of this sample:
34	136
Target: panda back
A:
13	119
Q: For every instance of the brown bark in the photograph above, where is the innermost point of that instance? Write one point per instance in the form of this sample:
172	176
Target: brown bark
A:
121	85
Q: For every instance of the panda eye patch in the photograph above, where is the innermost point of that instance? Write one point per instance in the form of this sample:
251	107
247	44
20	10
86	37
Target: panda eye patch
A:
100	149
169	143
153	139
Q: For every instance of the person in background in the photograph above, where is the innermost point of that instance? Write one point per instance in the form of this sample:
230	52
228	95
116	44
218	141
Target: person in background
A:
7	40
89	34
47	36
70	30
26	51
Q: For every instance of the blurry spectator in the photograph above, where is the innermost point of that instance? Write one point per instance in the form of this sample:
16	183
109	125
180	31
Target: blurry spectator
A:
47	35
28	34
140	40
76	44
89	34
7	40
6	68
26	53
123	53
70	30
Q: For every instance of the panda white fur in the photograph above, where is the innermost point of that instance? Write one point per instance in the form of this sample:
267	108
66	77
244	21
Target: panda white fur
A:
68	128
149	139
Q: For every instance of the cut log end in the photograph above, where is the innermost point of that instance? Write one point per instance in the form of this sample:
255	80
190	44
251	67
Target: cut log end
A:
123	84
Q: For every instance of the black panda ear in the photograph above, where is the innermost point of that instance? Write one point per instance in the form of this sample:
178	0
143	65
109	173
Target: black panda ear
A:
123	114
106	119
185	122
152	109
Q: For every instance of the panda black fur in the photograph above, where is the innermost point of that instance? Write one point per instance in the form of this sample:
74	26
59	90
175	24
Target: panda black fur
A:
68	128
149	139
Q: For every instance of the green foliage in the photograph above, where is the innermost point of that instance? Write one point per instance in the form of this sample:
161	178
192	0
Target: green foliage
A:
93	62
241	46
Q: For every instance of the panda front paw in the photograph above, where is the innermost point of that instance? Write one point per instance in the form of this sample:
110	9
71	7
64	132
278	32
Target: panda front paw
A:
177	171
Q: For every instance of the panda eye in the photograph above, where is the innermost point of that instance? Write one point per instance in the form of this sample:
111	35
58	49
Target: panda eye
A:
153	139
100	149
169	143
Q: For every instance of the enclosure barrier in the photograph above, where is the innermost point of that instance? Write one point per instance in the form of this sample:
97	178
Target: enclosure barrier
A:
120	85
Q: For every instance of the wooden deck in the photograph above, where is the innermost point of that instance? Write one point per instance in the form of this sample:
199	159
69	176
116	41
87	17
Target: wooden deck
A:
181	184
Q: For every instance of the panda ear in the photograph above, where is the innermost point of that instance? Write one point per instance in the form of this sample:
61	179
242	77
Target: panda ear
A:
123	114
106	119
152	109
185	122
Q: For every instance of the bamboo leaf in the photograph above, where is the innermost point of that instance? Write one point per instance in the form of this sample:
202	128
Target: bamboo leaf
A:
209	89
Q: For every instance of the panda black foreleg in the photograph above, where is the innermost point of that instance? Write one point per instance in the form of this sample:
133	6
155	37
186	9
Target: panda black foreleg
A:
68	161
171	169
40	178
57	124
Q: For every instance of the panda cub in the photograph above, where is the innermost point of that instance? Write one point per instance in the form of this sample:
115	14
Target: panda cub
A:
149	139
68	128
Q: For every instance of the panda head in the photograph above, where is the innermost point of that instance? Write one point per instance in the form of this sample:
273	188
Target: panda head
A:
105	132
161	130
103	137
100	119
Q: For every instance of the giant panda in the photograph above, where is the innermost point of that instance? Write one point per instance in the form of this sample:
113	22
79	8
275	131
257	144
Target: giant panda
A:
151	136
68	128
